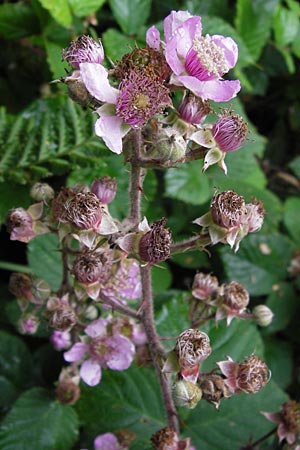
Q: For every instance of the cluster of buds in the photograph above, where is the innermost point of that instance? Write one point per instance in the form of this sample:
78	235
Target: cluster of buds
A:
228	300
230	219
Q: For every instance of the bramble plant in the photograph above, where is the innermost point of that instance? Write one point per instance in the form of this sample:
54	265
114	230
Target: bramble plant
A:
160	108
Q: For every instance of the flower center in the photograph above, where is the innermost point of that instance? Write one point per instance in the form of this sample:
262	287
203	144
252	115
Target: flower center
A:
206	60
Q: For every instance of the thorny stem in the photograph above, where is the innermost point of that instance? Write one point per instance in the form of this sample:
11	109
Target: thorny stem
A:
155	348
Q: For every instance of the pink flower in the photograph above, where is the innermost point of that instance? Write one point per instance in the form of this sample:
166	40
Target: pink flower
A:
101	351
105	188
107	441
61	340
288	420
198	62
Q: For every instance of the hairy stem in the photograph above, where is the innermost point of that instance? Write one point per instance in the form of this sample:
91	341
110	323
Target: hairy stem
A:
117	306
155	347
136	181
195	242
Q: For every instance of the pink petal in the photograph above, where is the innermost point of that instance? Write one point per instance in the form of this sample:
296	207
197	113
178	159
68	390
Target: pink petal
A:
228	368
111	129
97	328
273	417
153	38
216	90
174	20
90	372
76	353
122	355
107	441
95	78
230	48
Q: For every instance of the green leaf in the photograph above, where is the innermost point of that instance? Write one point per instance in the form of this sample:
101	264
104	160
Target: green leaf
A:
291	217
283	303
188	184
253	23
130	399
279	355
37	421
12	196
161	277
213	25
55	128
116	44
286	26
238	420
130	14
60	11
17	20
191	259
44	259
15	360
54	58
294	165
260	263
86	8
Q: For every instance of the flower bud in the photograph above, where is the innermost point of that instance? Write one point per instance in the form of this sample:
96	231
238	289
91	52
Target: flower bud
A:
228	209
154	246
42	192
186	394
20	286
84	211
167	148
235	296
85	49
204	286
263	315
213	388
192	347
105	189
19	224
229	131
67	392
193	109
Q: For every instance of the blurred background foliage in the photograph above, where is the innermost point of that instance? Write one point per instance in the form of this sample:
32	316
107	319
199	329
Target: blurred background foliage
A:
45	136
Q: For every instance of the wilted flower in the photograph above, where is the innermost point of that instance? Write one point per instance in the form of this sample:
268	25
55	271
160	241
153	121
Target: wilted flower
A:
84	50
62	316
198	62
204	286
186	394
167	439
20	285
105	188
67	392
232	301
101	350
288	420
256	214
228	209
192	347
20	225
84	211
250	376
213	388
154	246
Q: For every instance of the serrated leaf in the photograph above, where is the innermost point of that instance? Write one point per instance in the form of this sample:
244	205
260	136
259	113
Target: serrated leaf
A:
188	184
253	23
50	129
260	263
17	20
37	421
130	14
286	25
86	8
44	259
291	217
54	58
213	25
60	11
15	360
130	399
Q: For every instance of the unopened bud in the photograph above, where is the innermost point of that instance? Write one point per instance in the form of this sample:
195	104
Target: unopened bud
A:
105	189
192	347
193	109
67	392
263	315
228	209
186	394
42	192
154	246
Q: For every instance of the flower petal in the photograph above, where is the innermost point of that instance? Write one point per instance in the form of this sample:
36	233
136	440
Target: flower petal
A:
216	90
97	328
153	38
107	441
174	20
95	78
90	372
121	354
111	129
76	352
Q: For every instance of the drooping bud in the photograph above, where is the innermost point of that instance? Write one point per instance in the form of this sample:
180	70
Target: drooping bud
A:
263	315
42	192
186	394
213	388
256	214
193	109
105	189
228	209
235	296
84	211
85	49
92	266
67	392
204	286
229	131
192	347
20	225
154	246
